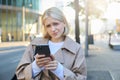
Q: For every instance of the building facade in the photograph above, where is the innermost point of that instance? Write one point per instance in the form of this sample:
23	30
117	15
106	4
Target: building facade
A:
18	18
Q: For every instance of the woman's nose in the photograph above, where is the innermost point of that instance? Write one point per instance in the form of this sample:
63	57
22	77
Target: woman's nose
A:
53	28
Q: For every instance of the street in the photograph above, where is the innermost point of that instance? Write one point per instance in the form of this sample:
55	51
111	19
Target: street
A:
9	60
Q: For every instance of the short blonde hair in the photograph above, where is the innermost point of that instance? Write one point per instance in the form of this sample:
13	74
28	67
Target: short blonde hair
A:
56	14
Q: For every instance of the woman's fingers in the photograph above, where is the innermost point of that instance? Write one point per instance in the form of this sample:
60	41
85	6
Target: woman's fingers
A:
39	56
48	62
41	60
52	65
52	57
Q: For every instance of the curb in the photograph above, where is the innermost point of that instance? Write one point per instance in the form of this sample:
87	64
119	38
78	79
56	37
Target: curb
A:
9	48
12	45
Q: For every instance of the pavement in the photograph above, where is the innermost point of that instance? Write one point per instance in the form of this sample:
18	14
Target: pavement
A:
102	62
11	45
16	43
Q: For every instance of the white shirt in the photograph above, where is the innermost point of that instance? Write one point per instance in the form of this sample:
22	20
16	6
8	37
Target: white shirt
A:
54	47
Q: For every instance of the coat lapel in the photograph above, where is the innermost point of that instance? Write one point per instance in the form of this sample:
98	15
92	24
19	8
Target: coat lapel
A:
59	56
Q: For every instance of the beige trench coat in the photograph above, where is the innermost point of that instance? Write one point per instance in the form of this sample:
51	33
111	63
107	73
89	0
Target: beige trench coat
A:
71	56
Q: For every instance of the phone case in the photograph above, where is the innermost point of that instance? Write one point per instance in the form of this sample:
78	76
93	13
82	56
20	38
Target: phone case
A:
42	49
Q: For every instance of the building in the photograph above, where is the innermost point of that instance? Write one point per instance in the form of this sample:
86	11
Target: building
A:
17	18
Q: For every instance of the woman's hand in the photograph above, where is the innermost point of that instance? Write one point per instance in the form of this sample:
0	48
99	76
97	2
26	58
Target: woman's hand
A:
41	60
52	65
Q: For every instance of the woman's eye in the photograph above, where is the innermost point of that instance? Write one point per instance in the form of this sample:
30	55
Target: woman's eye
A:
47	25
55	24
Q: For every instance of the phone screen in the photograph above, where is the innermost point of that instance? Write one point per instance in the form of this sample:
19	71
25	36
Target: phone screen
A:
42	49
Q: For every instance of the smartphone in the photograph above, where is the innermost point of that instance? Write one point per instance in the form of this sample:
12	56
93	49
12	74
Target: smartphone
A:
42	49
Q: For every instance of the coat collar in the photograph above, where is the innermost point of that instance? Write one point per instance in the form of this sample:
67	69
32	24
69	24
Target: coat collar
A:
69	44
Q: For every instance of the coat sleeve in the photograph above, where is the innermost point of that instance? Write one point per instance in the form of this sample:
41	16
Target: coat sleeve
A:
24	68
78	70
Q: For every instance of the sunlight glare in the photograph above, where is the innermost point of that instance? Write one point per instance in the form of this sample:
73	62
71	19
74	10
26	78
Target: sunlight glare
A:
113	11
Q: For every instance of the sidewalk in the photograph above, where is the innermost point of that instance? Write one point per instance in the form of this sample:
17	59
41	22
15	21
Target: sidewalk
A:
17	43
9	45
103	62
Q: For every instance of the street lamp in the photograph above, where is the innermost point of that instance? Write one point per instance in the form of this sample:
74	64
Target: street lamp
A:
86	31
23	17
23	21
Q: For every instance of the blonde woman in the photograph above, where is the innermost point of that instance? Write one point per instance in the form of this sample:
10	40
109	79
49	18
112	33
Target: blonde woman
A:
67	60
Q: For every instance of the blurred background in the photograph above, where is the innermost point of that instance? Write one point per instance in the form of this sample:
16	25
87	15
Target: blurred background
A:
93	23
20	19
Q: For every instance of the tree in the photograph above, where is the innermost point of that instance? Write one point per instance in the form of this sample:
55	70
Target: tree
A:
95	7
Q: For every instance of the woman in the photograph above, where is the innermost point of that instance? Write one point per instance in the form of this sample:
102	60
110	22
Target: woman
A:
67	60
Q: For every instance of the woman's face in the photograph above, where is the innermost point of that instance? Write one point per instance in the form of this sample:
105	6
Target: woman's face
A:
54	28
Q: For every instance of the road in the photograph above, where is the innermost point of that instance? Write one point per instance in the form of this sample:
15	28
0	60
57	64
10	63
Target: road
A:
9	60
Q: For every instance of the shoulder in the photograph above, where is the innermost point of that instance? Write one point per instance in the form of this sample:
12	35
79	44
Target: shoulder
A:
70	41
39	40
71	45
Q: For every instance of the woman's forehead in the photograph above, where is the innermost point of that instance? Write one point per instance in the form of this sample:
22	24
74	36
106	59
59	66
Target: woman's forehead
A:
50	19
